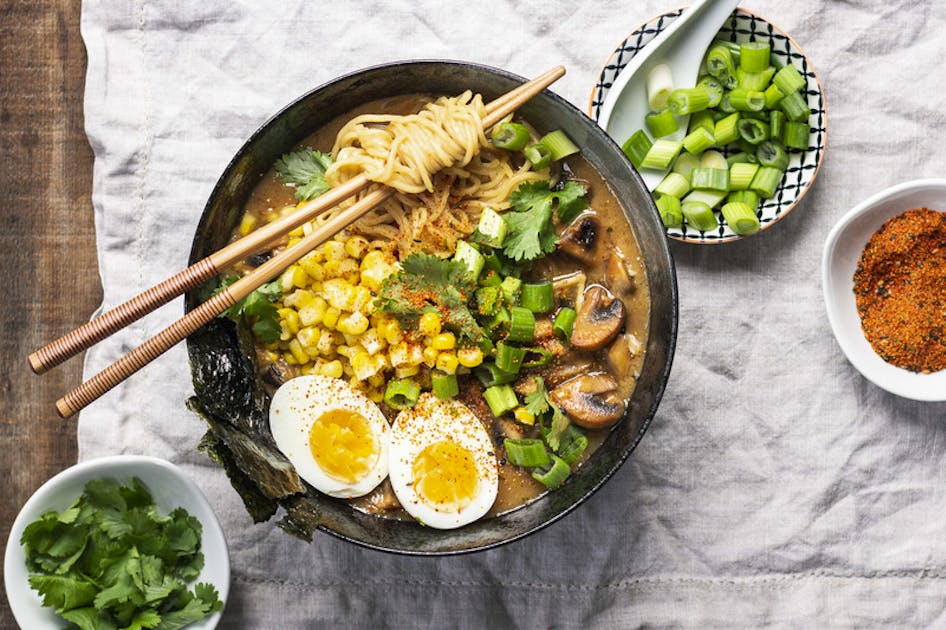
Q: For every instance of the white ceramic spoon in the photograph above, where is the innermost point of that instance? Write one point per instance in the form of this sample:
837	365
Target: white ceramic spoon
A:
681	46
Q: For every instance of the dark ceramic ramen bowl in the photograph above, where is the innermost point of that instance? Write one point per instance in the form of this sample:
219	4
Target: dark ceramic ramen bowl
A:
229	396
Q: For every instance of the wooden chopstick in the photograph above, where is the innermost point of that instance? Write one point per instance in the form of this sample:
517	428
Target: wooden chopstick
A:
192	277
117	372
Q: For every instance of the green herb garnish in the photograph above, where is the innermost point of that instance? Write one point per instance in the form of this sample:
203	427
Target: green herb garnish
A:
530	231
112	561
538	402
427	283
305	169
258	309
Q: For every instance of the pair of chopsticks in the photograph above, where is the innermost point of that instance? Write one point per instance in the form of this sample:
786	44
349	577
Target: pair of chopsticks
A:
101	327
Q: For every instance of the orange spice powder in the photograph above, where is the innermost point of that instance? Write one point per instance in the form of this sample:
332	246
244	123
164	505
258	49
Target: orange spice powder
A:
900	290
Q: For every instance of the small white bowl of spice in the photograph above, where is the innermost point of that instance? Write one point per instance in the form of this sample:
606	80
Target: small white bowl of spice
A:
884	282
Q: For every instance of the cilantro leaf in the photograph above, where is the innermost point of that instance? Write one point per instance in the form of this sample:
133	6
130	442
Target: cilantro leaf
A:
304	169
428	283
258	309
539	402
530	231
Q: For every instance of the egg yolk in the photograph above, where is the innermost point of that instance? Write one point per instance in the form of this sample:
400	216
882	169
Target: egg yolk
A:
445	476
343	445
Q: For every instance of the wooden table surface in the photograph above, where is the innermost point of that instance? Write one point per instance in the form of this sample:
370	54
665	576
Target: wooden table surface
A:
47	238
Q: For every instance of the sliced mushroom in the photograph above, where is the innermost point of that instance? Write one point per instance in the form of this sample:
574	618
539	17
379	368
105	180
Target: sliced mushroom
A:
590	400
619	275
559	372
599	320
569	289
580	239
621	354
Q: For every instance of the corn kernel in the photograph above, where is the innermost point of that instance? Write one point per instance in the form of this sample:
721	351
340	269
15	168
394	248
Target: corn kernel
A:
356	246
288	358
376	380
347	266
470	356
294	276
331	268
330	319
312	314
524	416
406	370
338	293
429	324
397	354
345	350
309	338
291	317
326	343
447	362
247	223
309	369
362	365
297	351
335	251
430	356
310	264
297	232
371	341
415	354
444	341
332	369
376	395
375	267
298	298
354	324
362	300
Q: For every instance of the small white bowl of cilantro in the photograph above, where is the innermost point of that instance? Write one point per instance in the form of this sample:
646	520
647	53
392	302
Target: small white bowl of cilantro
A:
114	542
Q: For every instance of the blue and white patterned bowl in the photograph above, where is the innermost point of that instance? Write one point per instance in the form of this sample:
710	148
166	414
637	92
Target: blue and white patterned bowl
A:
742	26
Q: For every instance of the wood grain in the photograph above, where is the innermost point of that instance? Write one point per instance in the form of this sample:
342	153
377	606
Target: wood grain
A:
46	239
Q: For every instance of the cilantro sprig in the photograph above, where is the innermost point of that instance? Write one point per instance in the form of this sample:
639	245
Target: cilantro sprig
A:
427	283
539	402
258	309
530	230
111	561
304	169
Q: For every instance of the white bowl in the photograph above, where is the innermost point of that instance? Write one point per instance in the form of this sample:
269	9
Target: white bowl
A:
169	487
842	250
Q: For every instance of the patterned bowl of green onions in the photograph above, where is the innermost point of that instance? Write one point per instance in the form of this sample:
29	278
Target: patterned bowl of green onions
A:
754	137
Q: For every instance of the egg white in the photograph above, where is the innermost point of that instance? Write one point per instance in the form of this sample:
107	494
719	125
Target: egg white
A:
301	401
433	420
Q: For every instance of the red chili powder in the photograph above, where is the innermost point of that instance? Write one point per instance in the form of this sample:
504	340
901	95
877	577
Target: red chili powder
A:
900	290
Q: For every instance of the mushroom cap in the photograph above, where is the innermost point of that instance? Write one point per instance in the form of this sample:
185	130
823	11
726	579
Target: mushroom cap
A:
600	319
590	400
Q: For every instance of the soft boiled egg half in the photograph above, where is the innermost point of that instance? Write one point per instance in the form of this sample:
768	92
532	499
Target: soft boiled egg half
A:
443	469
335	437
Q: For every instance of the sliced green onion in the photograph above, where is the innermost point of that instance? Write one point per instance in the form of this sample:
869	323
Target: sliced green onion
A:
753	131
471	257
670	213
766	181
490	375
491	229
714	89
699	216
702	120
741	174
661	154
511	287
509	358
659	86
698	141
743	100
685	163
754	56
741	218
526	452
788	80
776	123
500	398
521	325
744	145
498	323
713	159
747	197
795	107
488	298
673	184
712	198
740	158
719	64
710	178
554	475
537	296
537	357
492	262
510	136
733	47
773	96
444	385
490	279
538	155
688	100
636	147
559	144
754	81
564	322
771	153
661	124
401	393
572	444
796	135
725	105
726	130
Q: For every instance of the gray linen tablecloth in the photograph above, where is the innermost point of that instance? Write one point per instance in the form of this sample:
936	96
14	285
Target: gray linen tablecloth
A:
775	487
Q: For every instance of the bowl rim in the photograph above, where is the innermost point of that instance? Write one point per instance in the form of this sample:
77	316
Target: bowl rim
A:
824	144
40	502
592	128
836	316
